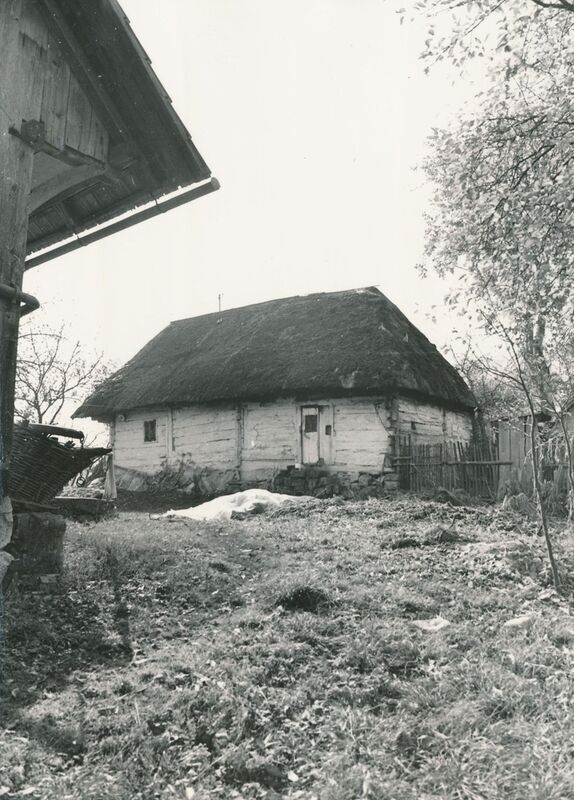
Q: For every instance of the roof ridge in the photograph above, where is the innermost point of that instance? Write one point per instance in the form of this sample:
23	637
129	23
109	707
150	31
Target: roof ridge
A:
310	296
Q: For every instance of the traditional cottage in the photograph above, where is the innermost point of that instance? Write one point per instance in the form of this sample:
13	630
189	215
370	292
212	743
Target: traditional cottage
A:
241	395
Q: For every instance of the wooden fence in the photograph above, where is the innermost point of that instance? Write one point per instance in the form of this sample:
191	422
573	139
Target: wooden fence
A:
491	468
513	445
472	467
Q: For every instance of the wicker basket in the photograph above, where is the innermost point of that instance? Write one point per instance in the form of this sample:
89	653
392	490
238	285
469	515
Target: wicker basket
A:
41	465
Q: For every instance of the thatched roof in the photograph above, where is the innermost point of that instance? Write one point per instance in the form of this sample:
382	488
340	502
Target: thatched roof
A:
150	152
342	343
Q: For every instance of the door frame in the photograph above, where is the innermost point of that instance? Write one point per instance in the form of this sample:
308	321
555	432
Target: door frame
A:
302	410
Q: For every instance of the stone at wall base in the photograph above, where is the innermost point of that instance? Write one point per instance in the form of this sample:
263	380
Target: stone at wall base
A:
320	482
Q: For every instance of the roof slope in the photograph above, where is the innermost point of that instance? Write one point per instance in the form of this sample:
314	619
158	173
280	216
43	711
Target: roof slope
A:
342	343
150	151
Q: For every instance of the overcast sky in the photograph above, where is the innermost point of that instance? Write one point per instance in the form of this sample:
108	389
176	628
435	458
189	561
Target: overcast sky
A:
312	114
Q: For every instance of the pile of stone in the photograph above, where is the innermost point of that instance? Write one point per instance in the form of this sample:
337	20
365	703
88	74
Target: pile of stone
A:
321	482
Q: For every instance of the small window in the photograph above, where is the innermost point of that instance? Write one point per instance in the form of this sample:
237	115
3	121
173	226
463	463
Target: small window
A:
311	423
413	425
150	431
328	430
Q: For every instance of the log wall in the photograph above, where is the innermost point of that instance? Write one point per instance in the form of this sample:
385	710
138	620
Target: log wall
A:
362	434
256	441
430	424
206	435
130	450
271	435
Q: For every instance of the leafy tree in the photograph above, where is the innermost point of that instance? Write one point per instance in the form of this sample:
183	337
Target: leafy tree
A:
503	32
51	372
502	215
501	221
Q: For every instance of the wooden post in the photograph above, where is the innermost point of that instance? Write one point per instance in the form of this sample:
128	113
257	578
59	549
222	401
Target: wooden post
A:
16	162
15	180
110	488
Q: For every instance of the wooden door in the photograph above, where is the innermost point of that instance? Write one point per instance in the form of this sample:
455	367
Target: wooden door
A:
310	449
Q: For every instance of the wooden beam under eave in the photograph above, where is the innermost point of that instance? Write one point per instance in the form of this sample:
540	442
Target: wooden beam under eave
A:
70	179
121	207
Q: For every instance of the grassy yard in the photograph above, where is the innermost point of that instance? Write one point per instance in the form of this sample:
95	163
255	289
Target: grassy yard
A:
294	655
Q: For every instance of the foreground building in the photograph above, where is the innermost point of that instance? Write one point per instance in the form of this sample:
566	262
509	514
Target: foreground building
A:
87	134
236	397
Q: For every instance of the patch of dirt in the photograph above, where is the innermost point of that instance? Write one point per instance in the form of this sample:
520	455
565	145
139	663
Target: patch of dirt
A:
154	502
304	598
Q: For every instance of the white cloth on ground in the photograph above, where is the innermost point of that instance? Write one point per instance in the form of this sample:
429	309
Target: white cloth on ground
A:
251	501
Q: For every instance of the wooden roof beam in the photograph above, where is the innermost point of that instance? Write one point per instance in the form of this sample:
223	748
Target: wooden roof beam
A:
33	132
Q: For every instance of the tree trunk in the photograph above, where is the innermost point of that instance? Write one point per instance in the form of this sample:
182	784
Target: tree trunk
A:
570	468
534	460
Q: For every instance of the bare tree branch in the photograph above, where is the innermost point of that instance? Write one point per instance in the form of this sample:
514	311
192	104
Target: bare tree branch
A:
51	372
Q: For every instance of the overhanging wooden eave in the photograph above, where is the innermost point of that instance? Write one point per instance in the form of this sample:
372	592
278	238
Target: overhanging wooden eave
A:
128	222
150	154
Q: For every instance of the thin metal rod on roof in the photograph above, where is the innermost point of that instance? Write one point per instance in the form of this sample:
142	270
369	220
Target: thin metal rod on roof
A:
139	216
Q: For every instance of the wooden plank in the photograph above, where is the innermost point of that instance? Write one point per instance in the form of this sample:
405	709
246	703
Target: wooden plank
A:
84	132
18	75
463	471
34	39
82	69
55	99
33	26
99	139
78	117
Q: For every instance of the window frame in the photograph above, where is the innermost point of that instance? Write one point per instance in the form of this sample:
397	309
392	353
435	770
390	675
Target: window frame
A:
146	429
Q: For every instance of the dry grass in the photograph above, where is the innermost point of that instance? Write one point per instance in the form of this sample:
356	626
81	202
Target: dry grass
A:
278	657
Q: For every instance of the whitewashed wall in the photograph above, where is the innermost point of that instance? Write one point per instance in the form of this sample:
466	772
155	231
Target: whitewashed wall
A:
362	434
271	438
428	424
130	450
206	435
257	440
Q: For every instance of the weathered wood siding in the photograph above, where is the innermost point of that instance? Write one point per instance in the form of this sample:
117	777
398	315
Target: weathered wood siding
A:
54	95
130	450
362	437
430	424
206	436
269	440
513	439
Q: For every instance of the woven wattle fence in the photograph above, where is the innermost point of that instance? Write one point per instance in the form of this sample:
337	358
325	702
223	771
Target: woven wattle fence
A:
40	465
